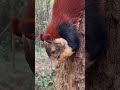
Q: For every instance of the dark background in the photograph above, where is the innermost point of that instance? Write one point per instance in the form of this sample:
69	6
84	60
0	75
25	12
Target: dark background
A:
15	73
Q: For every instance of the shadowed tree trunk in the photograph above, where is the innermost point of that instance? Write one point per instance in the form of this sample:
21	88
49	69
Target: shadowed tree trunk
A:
105	73
29	52
71	73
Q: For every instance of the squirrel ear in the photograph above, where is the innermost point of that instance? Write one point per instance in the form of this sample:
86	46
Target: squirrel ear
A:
41	37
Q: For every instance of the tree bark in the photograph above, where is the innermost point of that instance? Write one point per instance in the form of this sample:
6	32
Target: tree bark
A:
71	73
105	73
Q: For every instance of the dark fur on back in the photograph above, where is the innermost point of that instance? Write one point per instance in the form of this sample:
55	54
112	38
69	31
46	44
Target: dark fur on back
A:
68	32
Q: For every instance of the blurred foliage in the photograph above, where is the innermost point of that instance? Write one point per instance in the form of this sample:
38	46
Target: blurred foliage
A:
45	81
40	53
51	2
45	74
42	14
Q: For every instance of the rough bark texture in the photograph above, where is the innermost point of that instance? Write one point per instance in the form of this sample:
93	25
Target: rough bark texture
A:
71	73
105	73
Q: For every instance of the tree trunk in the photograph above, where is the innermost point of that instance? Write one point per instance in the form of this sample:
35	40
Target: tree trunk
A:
71	73
105	73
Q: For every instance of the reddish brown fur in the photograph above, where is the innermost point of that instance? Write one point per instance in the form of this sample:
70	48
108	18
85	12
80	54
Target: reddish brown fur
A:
63	11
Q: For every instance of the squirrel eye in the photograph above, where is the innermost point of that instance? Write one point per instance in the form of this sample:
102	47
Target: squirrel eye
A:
47	38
